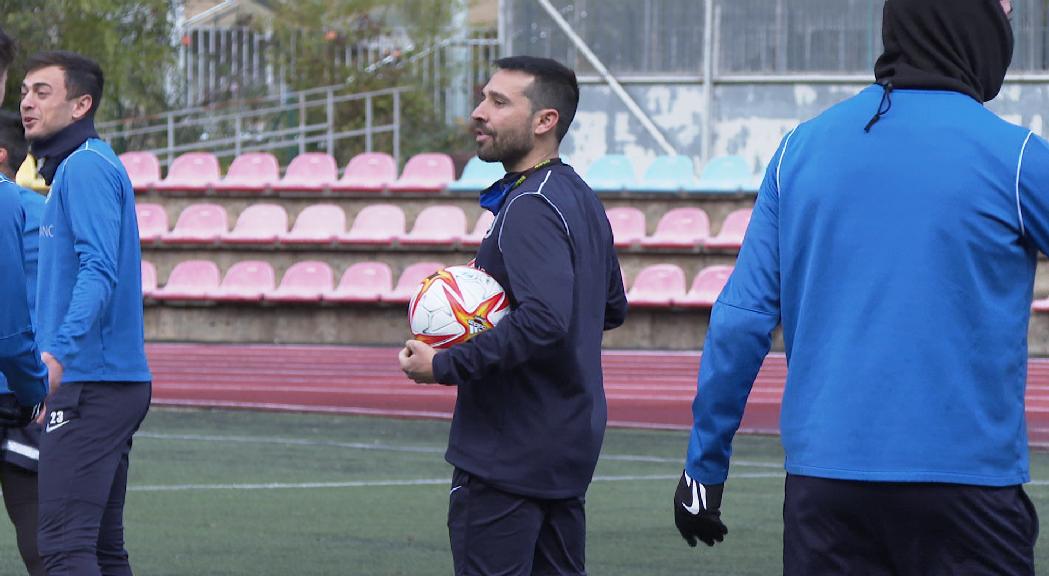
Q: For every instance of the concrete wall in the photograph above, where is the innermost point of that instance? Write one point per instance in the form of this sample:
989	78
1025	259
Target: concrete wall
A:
749	119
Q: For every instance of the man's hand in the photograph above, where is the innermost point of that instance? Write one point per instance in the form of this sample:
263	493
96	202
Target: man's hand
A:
697	511
54	380
417	361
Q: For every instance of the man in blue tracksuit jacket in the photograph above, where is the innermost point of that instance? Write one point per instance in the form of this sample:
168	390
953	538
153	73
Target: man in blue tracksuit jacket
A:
530	413
19	449
895	238
89	314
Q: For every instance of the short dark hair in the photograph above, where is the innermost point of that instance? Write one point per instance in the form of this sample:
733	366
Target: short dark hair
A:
7	50
12	139
555	86
83	75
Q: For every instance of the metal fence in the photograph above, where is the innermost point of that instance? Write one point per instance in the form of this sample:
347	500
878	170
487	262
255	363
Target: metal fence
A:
752	37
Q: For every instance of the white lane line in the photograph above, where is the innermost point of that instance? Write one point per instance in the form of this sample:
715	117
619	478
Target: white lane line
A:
388	483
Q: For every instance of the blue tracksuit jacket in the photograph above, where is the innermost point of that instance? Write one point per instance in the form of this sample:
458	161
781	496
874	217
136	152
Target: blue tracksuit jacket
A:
89	293
33	208
901	265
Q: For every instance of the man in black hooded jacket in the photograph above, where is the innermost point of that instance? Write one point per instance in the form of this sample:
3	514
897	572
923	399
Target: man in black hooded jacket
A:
895	238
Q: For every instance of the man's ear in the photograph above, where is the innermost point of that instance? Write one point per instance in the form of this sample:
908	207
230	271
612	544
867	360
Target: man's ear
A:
546	121
4	156
82	106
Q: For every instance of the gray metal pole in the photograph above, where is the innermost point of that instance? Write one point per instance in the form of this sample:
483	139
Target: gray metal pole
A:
171	138
330	111
614	84
708	80
368	124
397	127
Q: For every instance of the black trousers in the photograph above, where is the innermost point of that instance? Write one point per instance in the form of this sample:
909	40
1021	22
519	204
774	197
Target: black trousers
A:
906	529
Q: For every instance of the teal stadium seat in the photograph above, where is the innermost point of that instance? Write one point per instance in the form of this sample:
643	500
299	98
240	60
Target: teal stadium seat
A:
611	173
725	174
477	175
667	174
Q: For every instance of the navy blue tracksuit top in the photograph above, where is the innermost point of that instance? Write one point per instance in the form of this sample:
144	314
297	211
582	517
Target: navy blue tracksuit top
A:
530	413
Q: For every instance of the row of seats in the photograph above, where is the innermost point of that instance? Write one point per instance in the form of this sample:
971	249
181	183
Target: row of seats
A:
384	224
316	172
660	285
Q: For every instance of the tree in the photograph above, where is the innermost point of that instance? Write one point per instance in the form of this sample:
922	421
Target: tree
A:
130	39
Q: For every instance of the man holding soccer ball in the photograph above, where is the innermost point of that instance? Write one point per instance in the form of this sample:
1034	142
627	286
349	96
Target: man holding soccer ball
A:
530	413
895	238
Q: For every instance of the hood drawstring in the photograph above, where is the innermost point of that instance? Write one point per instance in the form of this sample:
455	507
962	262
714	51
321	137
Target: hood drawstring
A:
883	107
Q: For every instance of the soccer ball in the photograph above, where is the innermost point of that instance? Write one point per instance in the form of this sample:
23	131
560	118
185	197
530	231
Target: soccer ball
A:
455	304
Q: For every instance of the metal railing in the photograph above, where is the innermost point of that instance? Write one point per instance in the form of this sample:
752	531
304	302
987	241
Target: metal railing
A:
304	120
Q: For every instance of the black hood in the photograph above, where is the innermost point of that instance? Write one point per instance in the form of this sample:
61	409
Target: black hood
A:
958	45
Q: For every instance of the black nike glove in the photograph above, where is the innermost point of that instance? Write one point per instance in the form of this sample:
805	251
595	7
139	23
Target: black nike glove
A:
697	511
15	415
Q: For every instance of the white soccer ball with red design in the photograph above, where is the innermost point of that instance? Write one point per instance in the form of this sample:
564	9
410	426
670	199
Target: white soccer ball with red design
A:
455	304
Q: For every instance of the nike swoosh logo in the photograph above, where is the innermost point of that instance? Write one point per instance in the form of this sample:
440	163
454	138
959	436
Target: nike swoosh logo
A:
51	427
452	491
693	508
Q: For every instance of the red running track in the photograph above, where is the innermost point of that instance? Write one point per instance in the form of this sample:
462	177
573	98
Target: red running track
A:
644	389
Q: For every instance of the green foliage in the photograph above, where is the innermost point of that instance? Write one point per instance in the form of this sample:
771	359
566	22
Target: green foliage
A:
130	39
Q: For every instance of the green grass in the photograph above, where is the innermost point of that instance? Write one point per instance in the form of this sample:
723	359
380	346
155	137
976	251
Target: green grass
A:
240	493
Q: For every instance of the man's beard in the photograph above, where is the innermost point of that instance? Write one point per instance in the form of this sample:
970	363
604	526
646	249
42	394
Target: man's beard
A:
508	148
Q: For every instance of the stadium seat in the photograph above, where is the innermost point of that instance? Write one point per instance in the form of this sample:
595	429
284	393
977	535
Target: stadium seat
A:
149	279
611	173
484	222
725	174
363	282
190	280
250	172
732	230
143	169
705	288
152	222
246	281
439	225
427	172
628	225
667	174
367	172
259	224
1040	305
199	224
477	175
309	172
657	286
317	224
409	281
378	224
191	172
680	228
307	281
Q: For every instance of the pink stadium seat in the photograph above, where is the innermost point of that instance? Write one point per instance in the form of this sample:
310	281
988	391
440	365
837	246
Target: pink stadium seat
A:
259	224
199	224
680	228
246	281
152	222
657	286
732	230
149	279
1040	305
409	281
480	229
363	282
309	172
143	169
190	280
628	225
705	288
317	224
378	224
367	172
429	172
191	172
250	172
438	225
307	281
